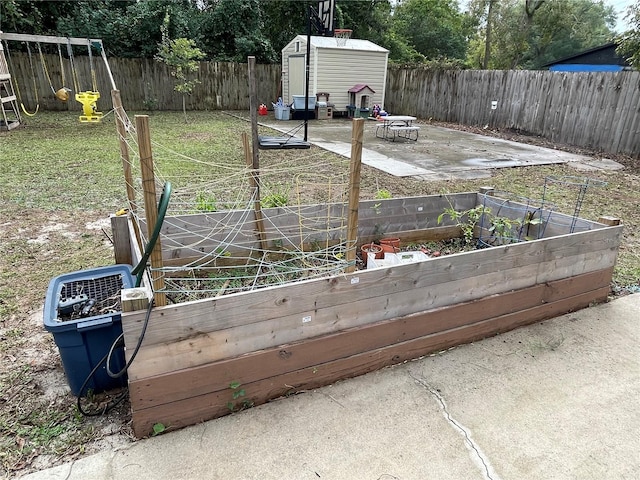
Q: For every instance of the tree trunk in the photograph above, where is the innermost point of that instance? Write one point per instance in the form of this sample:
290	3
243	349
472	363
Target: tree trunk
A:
487	41
530	8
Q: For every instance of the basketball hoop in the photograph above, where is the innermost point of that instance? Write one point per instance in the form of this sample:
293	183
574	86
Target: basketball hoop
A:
342	35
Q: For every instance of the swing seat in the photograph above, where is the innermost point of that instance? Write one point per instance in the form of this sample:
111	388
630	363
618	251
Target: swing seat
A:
63	94
89	107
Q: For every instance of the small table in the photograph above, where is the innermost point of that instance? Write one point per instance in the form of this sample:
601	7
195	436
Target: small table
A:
393	126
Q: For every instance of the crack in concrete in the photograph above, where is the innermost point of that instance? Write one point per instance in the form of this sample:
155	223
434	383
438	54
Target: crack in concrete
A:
481	458
73	462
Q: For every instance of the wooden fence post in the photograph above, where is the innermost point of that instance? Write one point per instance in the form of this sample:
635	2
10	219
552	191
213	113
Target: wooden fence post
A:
150	205
254	182
354	192
121	239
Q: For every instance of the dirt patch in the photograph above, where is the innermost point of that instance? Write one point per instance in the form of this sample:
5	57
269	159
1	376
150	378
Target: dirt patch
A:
39	423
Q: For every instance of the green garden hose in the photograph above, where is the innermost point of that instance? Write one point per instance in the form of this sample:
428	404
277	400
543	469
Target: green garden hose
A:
163	204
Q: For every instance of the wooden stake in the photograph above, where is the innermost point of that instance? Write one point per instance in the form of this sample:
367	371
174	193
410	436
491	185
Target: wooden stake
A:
608	220
124	148
354	192
150	204
121	128
254	182
121	239
134	299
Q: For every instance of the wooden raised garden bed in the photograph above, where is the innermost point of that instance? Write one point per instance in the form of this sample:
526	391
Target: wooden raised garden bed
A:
206	358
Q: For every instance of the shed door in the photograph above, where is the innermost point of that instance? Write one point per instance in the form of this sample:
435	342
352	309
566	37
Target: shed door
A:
296	75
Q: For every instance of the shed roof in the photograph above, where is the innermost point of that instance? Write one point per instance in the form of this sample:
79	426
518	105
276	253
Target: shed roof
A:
330	42
601	55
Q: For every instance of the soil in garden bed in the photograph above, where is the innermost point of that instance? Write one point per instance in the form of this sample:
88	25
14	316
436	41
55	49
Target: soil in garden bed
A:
281	268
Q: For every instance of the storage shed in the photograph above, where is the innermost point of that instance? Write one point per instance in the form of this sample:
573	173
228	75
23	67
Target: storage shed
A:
334	69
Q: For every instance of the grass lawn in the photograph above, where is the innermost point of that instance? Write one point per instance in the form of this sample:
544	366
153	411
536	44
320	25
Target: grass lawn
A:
60	181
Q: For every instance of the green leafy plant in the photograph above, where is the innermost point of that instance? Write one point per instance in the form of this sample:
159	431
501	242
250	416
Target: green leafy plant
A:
205	202
502	230
150	104
529	221
383	194
505	230
275	199
181	56
467	220
158	428
238	394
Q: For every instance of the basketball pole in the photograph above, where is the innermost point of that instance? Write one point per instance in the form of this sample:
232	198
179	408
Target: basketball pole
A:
306	72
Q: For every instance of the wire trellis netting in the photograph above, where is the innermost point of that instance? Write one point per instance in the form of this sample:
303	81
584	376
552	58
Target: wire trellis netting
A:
210	228
232	228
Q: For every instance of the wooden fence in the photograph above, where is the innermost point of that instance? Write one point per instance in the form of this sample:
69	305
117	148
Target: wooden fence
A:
144	84
594	110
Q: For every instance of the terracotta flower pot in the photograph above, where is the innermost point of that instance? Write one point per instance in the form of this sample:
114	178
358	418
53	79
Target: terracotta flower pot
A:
386	248
371	248
391	244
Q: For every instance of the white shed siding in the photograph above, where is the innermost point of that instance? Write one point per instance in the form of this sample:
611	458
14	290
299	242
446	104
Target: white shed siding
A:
342	69
338	68
289	50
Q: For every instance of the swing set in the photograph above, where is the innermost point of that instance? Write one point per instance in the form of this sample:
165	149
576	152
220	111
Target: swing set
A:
87	98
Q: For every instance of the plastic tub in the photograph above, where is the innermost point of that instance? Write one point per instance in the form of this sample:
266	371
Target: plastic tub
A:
282	113
298	102
83	340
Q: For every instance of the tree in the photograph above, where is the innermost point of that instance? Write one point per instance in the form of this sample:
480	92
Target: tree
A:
435	28
234	29
181	55
629	41
528	33
129	28
480	18
33	17
565	28
487	41
369	19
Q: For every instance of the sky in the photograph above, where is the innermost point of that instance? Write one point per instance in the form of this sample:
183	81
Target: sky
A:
620	6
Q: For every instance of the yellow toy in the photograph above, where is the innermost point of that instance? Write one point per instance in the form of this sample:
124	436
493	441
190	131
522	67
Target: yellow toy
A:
89	107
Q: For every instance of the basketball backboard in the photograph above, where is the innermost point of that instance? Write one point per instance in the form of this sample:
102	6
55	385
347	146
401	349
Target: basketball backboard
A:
326	11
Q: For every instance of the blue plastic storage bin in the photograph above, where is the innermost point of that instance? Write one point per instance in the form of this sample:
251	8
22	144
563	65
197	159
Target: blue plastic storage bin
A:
83	339
281	113
299	101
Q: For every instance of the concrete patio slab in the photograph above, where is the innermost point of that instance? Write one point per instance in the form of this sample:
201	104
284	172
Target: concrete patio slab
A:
439	154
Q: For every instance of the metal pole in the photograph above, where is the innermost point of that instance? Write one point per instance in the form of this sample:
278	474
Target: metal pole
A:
306	88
